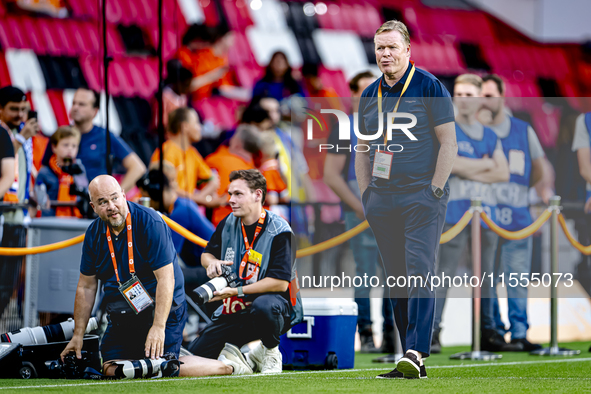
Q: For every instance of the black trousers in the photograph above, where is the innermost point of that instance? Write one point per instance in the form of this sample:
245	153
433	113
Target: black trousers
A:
13	236
266	319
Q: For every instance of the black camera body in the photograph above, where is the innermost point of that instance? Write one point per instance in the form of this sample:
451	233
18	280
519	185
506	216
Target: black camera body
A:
43	361
228	278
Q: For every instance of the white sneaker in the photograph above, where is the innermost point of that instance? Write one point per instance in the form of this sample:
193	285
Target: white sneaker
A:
255	357
230	355
272	361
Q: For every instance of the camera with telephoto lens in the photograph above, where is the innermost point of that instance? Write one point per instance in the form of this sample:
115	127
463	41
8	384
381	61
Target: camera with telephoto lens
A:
228	278
79	187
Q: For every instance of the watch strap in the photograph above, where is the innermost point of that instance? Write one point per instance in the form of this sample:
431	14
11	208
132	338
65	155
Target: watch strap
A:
240	291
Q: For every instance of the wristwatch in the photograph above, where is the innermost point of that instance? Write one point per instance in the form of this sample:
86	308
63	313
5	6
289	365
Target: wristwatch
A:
240	292
437	192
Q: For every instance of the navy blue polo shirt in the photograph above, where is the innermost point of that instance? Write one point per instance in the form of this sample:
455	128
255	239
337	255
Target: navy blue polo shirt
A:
152	249
426	98
93	149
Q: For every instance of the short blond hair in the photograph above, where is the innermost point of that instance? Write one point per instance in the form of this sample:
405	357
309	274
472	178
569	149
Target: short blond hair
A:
395	25
64	132
471	79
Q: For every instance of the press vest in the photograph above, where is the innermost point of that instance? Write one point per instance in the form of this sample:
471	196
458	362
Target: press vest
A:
513	197
462	190
233	249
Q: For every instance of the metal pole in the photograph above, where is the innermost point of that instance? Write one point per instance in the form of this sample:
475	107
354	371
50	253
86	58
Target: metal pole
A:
476	268
555	204
554	349
476	353
106	61
160	103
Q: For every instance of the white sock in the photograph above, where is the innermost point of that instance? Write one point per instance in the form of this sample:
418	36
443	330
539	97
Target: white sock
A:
418	354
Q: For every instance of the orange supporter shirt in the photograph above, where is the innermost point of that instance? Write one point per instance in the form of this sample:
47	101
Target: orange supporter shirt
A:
191	169
224	163
275	184
201	62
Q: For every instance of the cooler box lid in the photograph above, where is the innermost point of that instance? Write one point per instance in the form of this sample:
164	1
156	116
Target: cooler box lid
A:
329	307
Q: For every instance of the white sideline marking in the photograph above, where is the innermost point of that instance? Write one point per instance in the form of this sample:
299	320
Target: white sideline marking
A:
566	360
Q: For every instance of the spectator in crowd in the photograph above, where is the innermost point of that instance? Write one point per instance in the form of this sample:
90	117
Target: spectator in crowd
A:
13	117
238	155
278	81
194	178
290	158
205	54
93	148
6	161
526	167
58	179
7	177
182	210
13	113
581	145
313	84
480	162
175	92
269	167
339	175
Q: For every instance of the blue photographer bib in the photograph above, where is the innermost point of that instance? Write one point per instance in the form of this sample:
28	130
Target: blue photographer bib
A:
513	197
462	190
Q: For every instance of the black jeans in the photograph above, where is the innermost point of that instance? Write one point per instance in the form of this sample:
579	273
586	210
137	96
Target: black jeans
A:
267	319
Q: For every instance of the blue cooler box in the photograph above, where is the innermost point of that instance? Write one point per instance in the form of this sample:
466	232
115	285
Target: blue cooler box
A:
326	337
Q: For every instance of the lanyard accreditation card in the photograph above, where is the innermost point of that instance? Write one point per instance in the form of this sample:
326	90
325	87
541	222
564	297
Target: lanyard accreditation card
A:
133	291
252	258
382	163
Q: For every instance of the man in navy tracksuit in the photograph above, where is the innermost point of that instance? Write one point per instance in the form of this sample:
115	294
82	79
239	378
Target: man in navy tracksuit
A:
403	180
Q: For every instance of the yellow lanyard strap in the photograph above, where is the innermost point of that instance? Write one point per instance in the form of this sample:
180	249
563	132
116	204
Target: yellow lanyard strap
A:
412	72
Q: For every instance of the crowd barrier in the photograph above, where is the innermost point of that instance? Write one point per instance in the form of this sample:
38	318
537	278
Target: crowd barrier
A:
473	216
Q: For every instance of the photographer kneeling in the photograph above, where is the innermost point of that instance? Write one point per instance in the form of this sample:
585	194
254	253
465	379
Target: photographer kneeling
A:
257	245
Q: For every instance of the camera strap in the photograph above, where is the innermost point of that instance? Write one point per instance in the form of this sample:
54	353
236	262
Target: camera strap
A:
248	246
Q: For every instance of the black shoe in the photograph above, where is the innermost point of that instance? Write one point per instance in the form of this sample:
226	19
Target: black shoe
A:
395	374
409	365
435	344
388	342
523	345
366	338
422	375
387	359
492	341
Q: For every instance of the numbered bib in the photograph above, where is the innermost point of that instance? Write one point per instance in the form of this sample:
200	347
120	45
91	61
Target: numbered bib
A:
136	295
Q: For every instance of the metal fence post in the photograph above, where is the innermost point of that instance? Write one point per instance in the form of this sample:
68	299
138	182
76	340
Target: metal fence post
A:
476	353
554	350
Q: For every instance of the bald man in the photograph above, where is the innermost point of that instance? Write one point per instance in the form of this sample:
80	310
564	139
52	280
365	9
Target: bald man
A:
130	249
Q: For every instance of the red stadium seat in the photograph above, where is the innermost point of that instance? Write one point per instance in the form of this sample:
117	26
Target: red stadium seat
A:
56	99
14	34
248	74
90	68
237	14
83	36
220	110
336	80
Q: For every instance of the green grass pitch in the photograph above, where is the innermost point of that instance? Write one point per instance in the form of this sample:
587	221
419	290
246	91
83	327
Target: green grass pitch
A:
515	372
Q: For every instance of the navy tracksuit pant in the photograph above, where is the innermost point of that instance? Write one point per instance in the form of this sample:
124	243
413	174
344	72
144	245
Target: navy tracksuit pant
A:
407	228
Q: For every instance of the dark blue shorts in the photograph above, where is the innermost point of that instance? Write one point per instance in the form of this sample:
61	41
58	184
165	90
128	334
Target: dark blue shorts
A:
125	337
